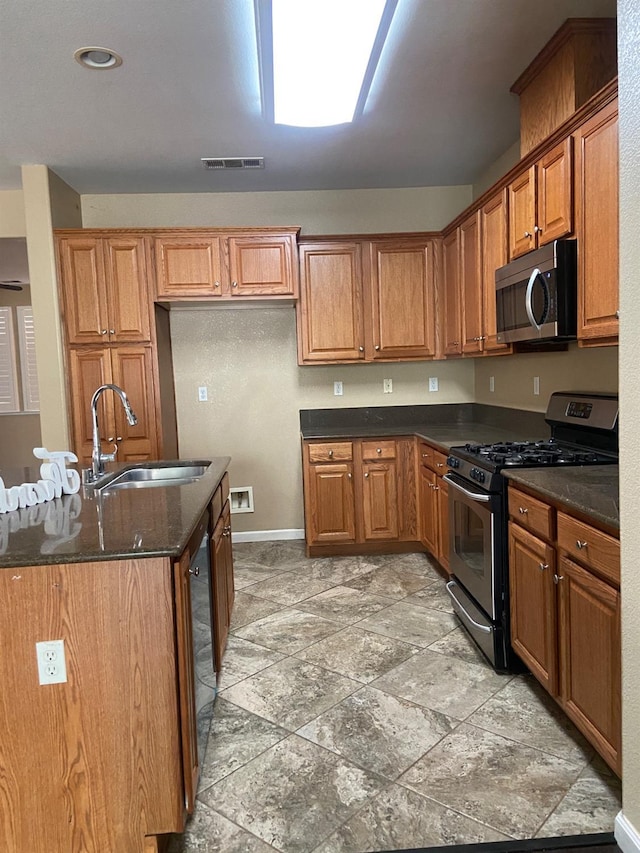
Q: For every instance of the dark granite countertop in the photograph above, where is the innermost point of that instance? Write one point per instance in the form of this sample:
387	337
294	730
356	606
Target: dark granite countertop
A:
591	490
148	522
444	425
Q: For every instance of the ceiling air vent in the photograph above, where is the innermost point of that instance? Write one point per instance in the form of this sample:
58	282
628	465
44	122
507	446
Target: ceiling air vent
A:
233	162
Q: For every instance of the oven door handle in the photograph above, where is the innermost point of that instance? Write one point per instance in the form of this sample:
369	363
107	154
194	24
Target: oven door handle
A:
481	498
450	587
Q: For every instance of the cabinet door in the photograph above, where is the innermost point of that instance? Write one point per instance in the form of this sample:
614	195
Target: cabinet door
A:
555	193
522	213
262	266
597	226
329	313
129	299
186	681
590	652
219	578
471	284
533	605
88	369
428	510
132	370
494	255
443	522
84	295
330	503
189	266
451	299
402	300
379	501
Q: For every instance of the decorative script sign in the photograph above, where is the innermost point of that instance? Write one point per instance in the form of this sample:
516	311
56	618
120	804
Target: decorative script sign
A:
56	479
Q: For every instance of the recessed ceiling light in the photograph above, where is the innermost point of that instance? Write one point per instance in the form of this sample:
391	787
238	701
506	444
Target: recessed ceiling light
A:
97	57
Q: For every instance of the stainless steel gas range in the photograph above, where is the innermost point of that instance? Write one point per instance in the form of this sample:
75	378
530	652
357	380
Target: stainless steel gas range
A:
584	431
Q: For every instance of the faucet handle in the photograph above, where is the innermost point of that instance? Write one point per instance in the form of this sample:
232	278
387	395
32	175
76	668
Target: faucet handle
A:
110	457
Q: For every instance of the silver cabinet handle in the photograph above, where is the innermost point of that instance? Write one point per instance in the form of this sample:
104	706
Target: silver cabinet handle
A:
216	284
378	450
195	571
523	510
118	438
330	454
425	455
558	578
537	229
112	331
103	331
439	464
366	475
349	476
436	488
361	349
234	284
377	347
580	545
455	343
617	315
543	566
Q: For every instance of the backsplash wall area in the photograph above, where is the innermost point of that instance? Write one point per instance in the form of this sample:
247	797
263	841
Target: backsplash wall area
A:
247	359
577	369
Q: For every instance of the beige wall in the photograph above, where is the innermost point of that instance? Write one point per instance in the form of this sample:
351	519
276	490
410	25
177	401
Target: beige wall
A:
12	221
318	212
49	202
629	80
574	370
247	359
496	170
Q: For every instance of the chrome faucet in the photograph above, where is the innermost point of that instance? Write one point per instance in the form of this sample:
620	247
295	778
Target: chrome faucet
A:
98	458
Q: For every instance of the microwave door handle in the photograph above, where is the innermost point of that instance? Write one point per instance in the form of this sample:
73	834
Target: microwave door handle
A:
473	495
528	298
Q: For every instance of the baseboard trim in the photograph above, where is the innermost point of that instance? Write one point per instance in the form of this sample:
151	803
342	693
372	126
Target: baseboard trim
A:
627	836
267	535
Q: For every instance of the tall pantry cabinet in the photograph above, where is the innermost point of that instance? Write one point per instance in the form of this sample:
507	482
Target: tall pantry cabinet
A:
112	337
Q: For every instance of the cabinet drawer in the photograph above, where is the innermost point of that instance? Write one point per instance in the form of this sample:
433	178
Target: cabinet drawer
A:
378	450
432	458
331	452
590	546
531	513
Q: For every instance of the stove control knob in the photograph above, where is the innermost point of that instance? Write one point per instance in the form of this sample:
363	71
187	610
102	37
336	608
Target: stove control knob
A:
452	462
473	473
481	477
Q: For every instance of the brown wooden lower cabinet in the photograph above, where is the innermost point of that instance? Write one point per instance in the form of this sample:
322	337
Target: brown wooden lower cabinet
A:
434	502
565	615
360	496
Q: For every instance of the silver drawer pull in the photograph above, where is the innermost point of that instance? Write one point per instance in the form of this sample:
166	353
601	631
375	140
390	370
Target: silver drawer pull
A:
523	510
360	349
366	475
439	464
330	454
378	450
543	566
580	545
558	578
195	571
349	476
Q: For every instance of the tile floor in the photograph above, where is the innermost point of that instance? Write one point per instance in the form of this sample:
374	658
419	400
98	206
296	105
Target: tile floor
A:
355	715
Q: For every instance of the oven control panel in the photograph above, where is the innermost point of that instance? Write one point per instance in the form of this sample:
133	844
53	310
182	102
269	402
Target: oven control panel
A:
477	475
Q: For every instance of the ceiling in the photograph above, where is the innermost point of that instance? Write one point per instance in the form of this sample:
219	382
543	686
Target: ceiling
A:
439	113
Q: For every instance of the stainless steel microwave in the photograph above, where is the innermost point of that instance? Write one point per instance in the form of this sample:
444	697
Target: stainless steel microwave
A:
536	295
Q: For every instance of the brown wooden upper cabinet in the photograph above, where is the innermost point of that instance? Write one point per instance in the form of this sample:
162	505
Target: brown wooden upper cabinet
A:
541	201
103	284
451	316
597	227
471	284
366	300
493	229
251	264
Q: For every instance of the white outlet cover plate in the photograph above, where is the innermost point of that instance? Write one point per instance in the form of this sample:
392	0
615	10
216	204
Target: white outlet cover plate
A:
202	394
433	383
337	389
52	666
387	386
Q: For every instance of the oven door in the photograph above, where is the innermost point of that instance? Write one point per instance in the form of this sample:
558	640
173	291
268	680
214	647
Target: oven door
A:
474	544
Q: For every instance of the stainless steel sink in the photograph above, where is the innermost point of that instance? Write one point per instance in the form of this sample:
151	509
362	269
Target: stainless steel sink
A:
149	474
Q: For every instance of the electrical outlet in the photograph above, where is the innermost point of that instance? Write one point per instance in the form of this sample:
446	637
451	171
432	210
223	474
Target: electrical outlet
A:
52	667
337	389
536	384
387	386
433	383
202	394
492	383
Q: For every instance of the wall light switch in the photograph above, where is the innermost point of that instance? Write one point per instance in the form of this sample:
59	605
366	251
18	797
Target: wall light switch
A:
52	667
387	386
433	383
536	384
202	394
492	383
337	389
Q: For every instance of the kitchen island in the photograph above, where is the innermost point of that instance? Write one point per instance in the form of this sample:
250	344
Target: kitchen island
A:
107	758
